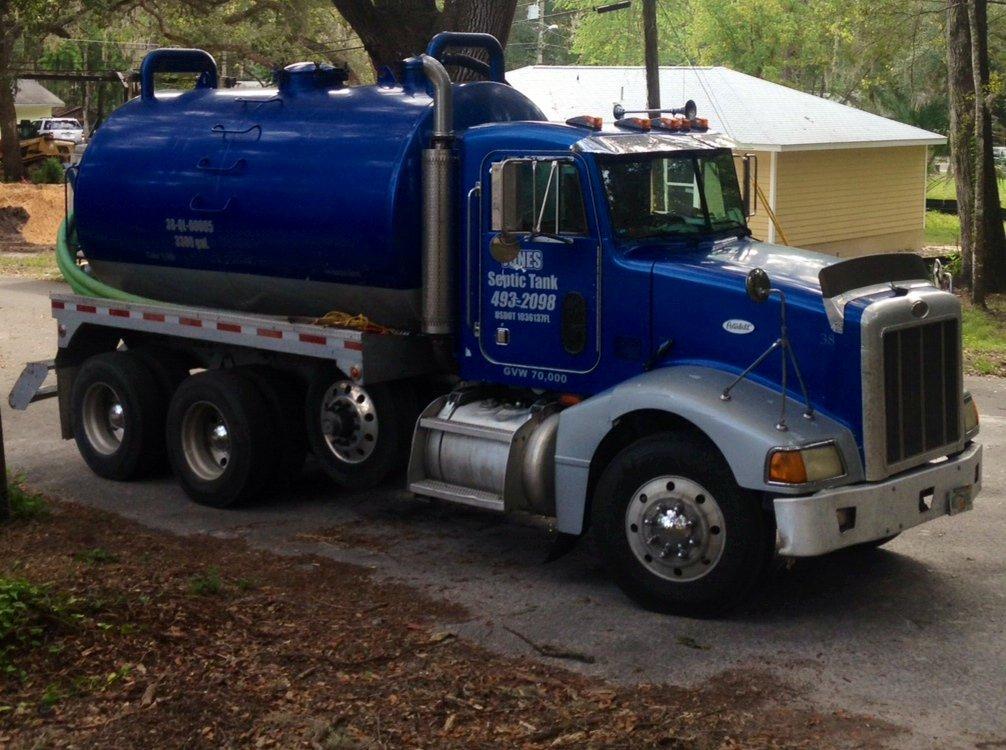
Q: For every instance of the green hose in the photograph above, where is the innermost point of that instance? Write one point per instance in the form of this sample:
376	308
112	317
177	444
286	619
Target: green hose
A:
77	278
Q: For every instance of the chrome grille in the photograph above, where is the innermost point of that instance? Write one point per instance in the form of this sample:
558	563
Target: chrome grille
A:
921	374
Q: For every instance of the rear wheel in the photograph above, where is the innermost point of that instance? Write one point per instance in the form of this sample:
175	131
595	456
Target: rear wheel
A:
359	434
674	528
220	435
285	397
167	367
118	414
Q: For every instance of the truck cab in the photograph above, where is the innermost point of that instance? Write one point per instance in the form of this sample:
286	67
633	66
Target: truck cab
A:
718	398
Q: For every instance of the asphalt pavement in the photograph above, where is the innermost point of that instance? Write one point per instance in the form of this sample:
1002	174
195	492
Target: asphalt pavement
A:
914	634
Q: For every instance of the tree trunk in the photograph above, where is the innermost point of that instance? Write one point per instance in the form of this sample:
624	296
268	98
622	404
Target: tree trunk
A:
986	184
961	91
393	31
987	233
10	147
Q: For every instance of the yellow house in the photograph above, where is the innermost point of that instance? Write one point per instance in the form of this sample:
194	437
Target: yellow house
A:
33	101
837	179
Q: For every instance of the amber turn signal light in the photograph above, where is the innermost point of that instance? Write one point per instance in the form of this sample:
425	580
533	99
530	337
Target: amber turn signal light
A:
787	467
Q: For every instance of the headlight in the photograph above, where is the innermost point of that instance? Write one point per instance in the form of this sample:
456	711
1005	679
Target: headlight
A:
970	416
814	463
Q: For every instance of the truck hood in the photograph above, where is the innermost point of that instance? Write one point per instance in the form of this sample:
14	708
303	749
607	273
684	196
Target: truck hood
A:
700	305
791	269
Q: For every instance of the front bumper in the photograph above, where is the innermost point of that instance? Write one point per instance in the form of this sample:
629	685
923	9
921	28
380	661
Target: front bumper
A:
813	525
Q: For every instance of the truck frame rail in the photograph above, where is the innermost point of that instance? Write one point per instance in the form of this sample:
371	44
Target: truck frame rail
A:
364	356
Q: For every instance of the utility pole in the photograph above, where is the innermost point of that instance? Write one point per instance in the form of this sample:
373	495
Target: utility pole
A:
652	59
541	32
86	109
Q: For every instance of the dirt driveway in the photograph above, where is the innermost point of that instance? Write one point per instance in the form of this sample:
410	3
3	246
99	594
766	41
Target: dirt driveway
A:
914	635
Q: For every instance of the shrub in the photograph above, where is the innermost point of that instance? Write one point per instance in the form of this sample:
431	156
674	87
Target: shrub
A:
50	172
24	504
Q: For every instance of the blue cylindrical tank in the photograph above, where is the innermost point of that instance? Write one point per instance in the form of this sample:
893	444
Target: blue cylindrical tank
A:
298	200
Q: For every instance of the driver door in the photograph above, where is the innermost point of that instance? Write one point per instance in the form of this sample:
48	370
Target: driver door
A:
539	265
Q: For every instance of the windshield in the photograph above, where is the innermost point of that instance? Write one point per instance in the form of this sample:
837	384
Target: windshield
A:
63	125
672	195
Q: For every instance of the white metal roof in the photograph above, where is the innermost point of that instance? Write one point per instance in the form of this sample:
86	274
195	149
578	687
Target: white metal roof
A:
755	113
31	93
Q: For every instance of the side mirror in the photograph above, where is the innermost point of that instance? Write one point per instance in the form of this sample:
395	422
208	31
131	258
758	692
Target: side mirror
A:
505	188
758	285
750	177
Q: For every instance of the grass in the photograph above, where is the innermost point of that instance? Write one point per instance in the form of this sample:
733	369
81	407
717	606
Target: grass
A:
30	616
984	334
207	584
25	505
30	265
942	229
96	556
942	187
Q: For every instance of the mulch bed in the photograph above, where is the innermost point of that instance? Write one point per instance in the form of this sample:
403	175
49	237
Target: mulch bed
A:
30	216
202	642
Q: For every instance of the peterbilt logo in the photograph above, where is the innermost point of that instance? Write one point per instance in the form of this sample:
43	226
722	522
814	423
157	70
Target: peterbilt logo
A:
737	326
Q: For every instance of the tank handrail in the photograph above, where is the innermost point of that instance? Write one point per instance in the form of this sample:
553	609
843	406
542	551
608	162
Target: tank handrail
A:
177	60
488	42
467	61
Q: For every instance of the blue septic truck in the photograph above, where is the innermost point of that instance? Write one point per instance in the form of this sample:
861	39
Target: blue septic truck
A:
565	319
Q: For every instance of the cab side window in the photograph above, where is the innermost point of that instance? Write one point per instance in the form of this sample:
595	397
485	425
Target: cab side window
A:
539	196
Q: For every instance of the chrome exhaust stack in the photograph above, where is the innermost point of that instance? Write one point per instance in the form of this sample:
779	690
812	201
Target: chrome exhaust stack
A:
438	203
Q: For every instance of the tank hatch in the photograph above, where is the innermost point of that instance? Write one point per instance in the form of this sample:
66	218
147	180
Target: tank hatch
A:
309	76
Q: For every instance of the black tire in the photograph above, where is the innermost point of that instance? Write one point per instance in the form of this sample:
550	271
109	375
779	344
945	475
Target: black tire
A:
285	397
236	469
134	445
346	453
689	475
169	368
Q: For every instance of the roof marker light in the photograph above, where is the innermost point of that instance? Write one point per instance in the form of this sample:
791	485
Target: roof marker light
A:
586	121
671	124
700	123
634	123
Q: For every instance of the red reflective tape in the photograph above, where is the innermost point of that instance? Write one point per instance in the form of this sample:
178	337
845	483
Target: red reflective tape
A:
155	317
116	313
57	305
87	308
357	345
229	327
195	323
313	338
269	333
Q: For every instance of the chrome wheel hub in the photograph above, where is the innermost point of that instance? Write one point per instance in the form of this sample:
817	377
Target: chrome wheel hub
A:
675	528
349	422
206	441
104	418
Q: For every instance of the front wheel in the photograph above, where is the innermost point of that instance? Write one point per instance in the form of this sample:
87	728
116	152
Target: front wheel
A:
674	528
